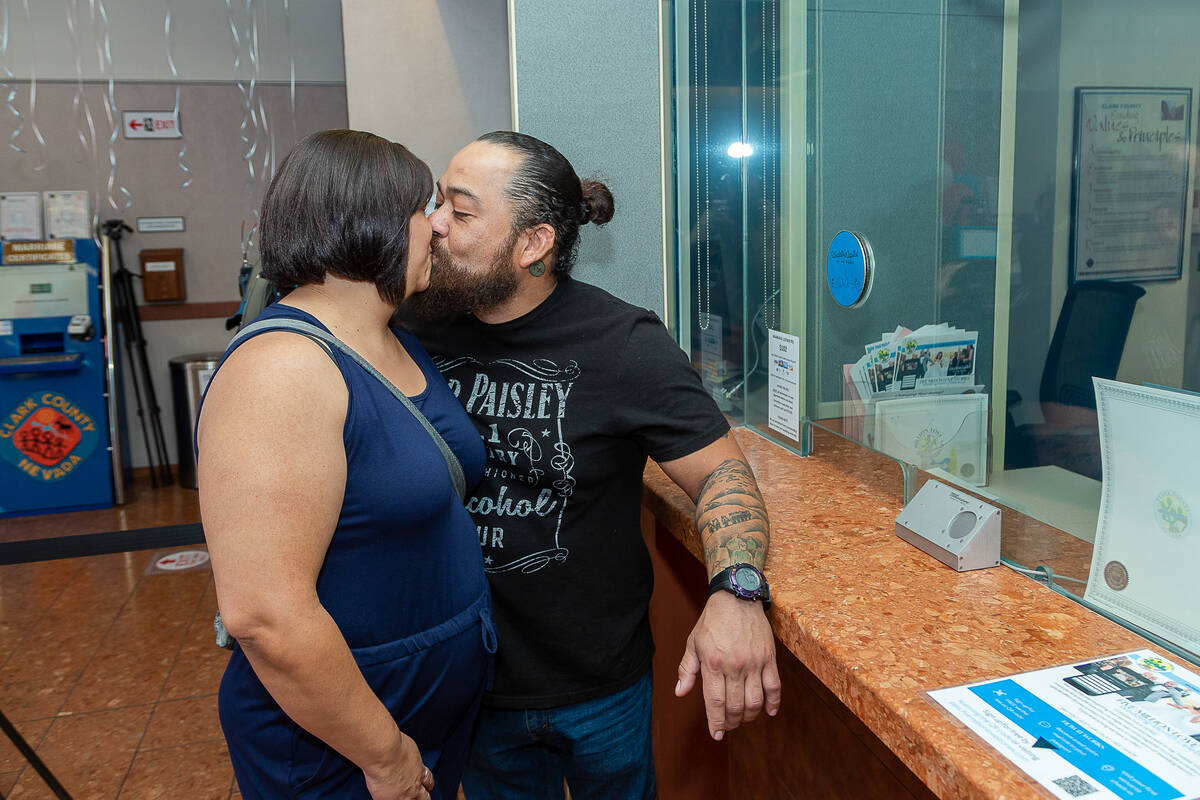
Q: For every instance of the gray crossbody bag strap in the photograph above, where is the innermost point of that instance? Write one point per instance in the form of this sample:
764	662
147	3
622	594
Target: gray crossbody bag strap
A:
312	331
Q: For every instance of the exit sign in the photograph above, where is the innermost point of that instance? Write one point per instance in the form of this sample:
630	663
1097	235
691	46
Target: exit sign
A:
151	124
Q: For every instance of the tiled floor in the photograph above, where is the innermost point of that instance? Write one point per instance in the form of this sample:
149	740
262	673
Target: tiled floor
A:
111	675
144	508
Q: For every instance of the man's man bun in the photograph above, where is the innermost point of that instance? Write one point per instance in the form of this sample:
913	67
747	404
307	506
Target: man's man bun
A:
544	189
597	202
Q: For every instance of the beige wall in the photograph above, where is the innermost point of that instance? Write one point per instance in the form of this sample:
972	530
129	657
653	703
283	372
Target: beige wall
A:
213	206
201	37
1112	43
431	74
211	113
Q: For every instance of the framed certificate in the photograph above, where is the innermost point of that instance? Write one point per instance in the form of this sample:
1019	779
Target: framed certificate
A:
1148	533
1129	188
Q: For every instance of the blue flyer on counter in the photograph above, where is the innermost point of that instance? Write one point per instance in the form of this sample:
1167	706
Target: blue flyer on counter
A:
1124	726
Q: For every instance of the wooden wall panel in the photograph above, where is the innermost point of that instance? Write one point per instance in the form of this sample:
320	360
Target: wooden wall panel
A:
690	765
815	747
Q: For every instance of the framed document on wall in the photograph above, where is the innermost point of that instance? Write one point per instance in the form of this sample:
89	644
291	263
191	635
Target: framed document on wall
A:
1129	187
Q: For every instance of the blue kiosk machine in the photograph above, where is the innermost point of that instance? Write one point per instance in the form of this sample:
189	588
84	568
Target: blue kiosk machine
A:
55	438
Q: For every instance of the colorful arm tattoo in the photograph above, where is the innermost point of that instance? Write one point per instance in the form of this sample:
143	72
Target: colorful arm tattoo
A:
732	518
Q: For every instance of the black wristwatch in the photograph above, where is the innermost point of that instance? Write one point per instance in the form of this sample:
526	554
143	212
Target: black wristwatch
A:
744	581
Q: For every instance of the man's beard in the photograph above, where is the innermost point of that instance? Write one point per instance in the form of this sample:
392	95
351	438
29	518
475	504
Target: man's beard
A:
454	288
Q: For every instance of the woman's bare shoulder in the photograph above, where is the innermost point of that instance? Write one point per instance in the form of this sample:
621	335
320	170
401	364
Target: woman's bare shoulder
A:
277	374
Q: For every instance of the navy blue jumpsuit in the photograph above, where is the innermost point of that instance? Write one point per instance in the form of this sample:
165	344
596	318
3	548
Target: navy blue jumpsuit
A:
403	579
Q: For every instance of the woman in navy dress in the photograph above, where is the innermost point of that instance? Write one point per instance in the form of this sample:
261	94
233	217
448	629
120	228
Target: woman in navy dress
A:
346	566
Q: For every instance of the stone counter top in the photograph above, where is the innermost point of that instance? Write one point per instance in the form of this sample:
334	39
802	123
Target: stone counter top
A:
880	622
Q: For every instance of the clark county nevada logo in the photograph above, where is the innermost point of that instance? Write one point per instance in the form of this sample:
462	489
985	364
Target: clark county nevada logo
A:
46	436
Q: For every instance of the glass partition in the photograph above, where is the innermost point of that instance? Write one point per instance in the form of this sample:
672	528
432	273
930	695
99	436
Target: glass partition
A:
1023	177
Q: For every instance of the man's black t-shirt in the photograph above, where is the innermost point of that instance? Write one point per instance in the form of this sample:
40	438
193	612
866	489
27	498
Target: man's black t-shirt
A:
570	400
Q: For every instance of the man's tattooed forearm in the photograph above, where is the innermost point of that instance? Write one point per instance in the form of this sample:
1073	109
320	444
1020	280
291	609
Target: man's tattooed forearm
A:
736	550
731	475
731	517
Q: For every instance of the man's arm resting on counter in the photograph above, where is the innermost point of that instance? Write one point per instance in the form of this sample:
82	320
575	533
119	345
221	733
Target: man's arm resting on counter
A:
732	646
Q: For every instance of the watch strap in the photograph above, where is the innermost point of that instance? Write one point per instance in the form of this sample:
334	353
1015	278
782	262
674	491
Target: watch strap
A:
724	581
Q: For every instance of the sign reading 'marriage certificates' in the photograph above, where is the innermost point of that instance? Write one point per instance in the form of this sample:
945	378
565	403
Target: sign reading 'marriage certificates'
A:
1132	151
1147	549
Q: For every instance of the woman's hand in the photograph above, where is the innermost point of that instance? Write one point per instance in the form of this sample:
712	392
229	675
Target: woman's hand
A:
403	777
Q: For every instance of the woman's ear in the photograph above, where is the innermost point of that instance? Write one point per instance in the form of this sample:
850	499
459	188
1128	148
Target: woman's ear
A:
539	244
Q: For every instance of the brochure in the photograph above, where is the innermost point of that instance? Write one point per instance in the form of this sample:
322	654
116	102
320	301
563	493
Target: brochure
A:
936	356
1122	726
934	359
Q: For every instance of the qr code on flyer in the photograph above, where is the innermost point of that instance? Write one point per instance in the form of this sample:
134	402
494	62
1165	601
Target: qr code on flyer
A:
1076	786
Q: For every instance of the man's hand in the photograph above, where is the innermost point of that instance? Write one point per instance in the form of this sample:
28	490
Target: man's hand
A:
732	648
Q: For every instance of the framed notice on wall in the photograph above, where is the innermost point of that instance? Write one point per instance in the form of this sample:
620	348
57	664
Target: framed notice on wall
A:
1129	192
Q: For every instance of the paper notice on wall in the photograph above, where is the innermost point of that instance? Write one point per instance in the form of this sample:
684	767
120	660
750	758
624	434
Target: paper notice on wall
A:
20	216
67	215
1114	728
783	412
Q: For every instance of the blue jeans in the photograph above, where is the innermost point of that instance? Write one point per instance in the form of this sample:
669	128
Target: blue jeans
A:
601	747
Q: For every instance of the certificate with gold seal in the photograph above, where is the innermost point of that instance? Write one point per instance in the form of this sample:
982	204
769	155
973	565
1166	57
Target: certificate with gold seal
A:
1147	548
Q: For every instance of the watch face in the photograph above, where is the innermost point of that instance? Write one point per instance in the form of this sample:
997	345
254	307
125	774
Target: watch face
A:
747	580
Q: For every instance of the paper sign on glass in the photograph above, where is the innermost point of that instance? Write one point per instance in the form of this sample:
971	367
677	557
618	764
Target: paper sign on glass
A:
783	410
1147	549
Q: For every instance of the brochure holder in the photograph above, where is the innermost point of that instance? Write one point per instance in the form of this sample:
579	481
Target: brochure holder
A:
946	432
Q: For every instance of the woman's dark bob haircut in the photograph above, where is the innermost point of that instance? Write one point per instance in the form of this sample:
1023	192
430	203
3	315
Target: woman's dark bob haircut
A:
340	205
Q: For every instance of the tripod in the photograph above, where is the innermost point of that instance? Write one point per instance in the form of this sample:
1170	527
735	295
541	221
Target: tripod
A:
126	315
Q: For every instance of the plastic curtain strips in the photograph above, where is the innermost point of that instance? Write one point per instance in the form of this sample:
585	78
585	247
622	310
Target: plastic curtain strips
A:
187	181
113	187
249	130
287	22
33	126
10	93
81	108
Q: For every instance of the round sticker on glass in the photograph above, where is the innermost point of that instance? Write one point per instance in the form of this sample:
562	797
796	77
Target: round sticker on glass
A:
850	269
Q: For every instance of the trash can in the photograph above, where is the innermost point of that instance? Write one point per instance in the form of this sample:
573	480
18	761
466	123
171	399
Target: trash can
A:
189	378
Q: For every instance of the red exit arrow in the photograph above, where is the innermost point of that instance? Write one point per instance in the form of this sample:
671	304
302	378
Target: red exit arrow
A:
133	123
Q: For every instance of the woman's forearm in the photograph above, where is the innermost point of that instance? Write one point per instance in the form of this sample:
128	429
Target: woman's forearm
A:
304	662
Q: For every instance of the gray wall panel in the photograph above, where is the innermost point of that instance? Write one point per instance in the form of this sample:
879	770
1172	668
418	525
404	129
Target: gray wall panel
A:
587	83
877	143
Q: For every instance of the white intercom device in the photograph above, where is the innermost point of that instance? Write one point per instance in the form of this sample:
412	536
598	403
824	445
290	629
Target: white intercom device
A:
952	526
